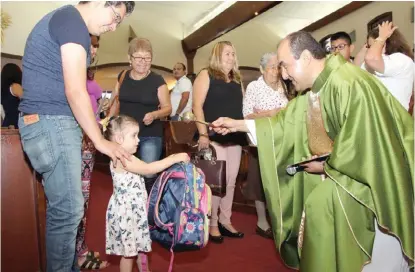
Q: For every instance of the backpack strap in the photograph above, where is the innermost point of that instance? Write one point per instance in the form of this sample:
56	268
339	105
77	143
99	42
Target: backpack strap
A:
165	226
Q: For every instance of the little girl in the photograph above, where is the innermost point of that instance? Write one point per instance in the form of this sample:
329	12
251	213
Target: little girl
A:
127	231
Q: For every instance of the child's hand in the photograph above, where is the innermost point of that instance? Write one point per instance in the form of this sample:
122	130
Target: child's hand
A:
180	157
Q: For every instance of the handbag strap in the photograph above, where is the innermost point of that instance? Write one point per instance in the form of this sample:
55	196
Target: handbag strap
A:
116	98
121	79
200	153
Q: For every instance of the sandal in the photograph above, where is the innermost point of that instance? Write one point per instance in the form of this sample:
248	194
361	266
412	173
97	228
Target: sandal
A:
91	255
93	263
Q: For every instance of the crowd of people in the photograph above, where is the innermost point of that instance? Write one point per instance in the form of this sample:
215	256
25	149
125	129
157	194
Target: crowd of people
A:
351	212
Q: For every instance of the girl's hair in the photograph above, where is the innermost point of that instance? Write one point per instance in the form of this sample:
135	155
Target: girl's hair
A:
117	124
215	63
396	43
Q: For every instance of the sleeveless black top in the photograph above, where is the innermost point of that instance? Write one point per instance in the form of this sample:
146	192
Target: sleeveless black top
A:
10	105
138	97
224	100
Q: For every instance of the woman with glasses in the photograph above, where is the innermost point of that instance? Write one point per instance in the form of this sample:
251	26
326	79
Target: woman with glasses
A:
143	95
264	98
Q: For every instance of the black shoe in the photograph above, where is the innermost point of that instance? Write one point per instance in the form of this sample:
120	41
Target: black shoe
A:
225	232
264	233
216	239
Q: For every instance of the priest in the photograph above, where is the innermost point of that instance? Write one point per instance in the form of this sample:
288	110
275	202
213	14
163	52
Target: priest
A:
354	211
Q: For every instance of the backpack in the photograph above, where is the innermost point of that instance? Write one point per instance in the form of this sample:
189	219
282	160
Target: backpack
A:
178	208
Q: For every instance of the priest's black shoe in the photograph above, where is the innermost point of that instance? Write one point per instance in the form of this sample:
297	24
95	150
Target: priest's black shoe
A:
225	232
216	239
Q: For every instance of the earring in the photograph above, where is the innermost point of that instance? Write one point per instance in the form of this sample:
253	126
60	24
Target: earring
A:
130	64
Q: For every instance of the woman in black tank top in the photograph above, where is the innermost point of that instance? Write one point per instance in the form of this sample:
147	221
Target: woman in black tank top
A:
144	96
217	92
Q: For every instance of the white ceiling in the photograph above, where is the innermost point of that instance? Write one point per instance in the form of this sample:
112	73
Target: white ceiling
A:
291	16
186	12
281	20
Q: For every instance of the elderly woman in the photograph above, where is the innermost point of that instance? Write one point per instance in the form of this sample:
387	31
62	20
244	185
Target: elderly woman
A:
264	98
217	91
144	96
389	57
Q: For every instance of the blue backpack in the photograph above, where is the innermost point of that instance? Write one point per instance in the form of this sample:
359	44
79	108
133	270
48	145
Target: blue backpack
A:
178	208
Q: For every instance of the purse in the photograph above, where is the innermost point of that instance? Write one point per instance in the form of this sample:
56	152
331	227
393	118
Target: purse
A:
214	170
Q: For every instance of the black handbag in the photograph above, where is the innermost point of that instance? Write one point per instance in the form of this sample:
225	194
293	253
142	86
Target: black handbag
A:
214	170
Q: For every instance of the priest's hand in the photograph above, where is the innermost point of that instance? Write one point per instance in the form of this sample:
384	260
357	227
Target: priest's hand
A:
314	167
225	125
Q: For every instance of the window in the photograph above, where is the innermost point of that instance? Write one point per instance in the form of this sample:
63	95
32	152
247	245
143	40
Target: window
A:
387	16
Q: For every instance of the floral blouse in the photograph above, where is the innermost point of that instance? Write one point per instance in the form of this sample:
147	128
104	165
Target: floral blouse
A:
261	96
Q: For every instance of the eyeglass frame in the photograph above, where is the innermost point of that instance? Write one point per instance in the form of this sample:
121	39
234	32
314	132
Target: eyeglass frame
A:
117	18
340	47
138	59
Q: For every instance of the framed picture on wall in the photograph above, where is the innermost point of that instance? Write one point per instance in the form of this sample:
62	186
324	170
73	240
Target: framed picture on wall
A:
387	16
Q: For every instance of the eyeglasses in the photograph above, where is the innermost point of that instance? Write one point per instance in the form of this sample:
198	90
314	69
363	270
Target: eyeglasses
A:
138	59
117	16
340	47
273	67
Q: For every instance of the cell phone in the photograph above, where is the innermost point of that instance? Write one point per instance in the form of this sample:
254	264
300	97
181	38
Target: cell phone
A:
106	95
297	167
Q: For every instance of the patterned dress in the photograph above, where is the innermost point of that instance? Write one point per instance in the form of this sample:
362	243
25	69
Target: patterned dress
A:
127	231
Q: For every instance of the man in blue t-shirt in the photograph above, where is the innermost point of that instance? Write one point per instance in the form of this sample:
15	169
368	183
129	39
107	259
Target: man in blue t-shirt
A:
54	108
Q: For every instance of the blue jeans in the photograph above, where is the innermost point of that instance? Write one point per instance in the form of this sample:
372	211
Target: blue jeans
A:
53	145
149	150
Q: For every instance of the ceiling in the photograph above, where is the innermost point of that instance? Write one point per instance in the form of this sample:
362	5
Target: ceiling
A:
166	23
281	20
291	16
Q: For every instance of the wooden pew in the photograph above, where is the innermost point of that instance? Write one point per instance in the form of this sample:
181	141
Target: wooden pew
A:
23	209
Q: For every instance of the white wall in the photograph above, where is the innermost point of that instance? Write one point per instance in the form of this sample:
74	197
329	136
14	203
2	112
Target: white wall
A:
401	16
24	16
113	46
251	41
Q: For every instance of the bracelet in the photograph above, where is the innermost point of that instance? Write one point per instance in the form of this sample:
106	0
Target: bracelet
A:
203	135
380	40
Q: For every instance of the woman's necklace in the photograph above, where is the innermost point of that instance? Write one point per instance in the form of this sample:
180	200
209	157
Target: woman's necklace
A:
132	75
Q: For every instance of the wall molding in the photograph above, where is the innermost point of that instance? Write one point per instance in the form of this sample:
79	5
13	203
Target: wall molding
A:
118	64
347	9
11	56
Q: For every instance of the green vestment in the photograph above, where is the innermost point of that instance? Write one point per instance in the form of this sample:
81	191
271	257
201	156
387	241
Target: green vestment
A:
329	225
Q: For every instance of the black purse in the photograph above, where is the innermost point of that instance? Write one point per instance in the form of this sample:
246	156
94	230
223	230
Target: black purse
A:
214	170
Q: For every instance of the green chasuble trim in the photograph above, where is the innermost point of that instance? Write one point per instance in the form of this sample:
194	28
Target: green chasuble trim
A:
330	223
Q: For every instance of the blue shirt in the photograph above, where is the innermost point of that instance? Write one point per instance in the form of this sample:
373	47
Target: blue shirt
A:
43	84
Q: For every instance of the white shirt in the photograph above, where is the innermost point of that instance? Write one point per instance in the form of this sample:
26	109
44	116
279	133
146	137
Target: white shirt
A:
261	96
183	85
2	113
398	76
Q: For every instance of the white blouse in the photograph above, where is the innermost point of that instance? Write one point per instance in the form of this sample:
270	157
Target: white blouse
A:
261	96
398	76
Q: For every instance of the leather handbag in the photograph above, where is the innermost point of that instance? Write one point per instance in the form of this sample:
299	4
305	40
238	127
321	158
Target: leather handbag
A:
214	170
